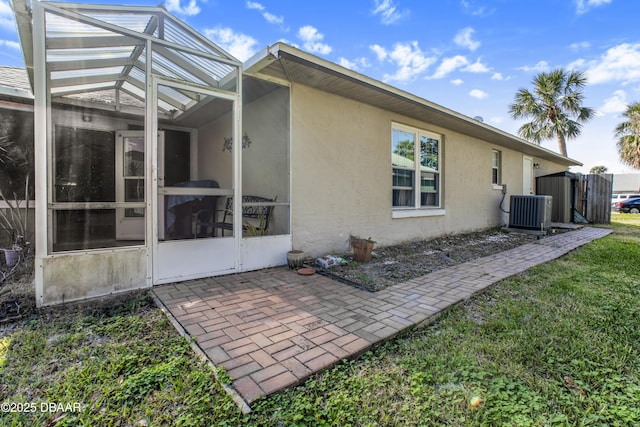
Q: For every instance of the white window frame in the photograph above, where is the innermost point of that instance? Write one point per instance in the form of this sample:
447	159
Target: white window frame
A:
496	165
417	210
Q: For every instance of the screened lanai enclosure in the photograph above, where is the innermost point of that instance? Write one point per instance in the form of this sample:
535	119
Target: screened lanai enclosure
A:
156	159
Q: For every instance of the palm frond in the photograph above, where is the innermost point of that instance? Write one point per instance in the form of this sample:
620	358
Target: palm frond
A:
628	133
554	107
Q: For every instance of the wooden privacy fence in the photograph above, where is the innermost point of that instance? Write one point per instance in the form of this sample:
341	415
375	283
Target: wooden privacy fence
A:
593	197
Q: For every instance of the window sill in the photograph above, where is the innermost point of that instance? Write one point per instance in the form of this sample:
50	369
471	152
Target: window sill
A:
22	203
497	187
417	213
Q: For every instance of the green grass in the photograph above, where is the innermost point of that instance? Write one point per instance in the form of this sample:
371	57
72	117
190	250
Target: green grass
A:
557	345
122	365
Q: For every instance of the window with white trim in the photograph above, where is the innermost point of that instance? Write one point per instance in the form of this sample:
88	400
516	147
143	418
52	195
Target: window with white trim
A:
496	163
415	184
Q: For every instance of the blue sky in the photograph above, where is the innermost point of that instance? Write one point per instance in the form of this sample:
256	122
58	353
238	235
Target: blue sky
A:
468	55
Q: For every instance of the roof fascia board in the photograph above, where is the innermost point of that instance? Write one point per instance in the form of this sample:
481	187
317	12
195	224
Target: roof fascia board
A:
270	79
258	61
254	66
281	50
16	106
13	92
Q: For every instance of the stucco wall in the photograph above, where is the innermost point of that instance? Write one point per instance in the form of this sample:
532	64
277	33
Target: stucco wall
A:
341	183
265	167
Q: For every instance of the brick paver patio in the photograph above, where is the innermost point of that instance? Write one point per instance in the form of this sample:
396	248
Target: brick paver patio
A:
271	329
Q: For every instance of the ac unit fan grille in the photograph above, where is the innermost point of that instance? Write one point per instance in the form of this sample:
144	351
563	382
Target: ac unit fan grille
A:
530	212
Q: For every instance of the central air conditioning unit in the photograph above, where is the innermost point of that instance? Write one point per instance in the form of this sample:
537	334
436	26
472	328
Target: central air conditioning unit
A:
530	212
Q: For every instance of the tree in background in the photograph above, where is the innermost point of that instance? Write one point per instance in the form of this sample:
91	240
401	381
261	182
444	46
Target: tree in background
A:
598	169
628	133
554	107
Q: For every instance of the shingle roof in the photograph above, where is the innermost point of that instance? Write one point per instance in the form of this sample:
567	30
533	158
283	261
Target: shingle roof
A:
14	78
14	81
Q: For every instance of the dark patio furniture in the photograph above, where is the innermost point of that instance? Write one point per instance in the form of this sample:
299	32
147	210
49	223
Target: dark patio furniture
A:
257	213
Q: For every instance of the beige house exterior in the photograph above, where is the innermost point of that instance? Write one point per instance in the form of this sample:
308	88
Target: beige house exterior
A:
138	157
341	158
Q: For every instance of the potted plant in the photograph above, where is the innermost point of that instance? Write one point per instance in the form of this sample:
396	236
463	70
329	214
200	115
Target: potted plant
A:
362	248
16	167
295	259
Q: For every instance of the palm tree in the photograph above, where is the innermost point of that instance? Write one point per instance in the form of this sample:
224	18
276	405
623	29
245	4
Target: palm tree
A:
554	107
628	133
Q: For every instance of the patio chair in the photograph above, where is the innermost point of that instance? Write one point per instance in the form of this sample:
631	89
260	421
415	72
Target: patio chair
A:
256	220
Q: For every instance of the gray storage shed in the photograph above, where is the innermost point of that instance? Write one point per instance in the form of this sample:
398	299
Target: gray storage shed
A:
561	186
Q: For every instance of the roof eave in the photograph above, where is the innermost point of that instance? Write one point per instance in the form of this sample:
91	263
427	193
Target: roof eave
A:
258	64
13	92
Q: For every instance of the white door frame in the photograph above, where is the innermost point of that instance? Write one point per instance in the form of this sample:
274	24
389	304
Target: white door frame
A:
127	228
178	260
527	175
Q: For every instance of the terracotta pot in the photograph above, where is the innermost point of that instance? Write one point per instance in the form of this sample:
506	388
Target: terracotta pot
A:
362	249
295	259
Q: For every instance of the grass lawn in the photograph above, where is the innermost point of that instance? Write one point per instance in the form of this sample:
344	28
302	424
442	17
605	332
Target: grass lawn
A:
557	345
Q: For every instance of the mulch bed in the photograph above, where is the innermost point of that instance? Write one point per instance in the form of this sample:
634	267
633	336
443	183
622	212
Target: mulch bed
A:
399	263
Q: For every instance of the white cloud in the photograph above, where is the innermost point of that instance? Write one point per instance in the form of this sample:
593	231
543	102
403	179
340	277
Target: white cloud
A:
11	44
388	12
409	59
539	67
580	46
617	103
190	9
620	63
497	76
239	45
380	51
273	19
269	17
477	93
583	6
356	65
463	39
457	82
256	6
6	15
476	67
313	40
578	64
496	119
449	65
481	11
